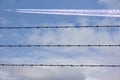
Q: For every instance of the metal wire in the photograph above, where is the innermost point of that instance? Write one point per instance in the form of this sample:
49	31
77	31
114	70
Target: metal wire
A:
109	45
59	65
38	27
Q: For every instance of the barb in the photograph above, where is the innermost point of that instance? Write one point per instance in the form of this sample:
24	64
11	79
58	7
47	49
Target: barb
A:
110	45
76	12
55	65
39	27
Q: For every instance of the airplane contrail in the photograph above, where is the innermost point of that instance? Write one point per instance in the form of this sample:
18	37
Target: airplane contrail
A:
75	12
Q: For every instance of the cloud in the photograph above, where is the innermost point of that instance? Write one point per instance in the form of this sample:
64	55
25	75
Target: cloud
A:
66	55
5	75
41	73
110	3
70	36
75	36
83	36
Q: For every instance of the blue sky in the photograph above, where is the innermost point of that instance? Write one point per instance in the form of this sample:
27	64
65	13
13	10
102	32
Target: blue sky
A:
37	19
93	55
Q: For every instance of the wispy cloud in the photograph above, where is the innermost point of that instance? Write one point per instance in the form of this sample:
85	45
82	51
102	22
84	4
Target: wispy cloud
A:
66	55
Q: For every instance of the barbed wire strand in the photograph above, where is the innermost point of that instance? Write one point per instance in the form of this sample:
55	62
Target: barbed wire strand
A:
38	27
109	45
58	65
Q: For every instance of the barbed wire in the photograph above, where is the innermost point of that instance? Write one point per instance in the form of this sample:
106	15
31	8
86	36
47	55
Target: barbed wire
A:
109	45
38	27
58	65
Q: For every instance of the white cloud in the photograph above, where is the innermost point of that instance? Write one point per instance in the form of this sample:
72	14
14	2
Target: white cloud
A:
41	73
5	75
71	36
68	55
83	36
75	36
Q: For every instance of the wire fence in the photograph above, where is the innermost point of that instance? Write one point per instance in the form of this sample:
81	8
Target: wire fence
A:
109	45
59	65
55	65
38	27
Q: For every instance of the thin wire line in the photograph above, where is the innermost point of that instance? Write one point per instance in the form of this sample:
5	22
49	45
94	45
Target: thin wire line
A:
60	45
58	65
38	27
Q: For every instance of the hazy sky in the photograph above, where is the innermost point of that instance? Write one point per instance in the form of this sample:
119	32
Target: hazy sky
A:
104	55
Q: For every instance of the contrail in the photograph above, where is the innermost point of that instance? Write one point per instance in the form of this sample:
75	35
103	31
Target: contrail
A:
69	13
75	12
